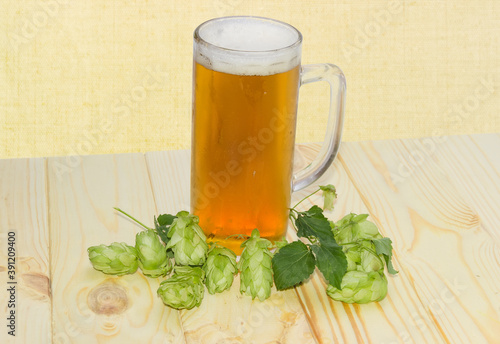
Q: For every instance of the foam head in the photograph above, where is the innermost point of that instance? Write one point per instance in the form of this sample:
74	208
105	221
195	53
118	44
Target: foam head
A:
247	46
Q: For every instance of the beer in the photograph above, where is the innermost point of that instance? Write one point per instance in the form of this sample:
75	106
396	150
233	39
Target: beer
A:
244	117
243	141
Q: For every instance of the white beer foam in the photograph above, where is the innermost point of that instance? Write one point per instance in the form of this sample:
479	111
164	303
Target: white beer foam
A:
250	46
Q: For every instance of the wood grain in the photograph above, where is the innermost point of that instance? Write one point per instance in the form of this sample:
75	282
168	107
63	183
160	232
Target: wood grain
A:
442	245
89	306
436	198
23	210
391	320
228	317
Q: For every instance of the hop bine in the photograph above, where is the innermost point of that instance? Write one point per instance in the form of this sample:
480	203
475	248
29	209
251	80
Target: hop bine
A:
187	240
115	259
220	268
185	289
153	259
255	267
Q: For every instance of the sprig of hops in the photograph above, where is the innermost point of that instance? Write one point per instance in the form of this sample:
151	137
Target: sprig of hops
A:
115	259
220	268
187	240
255	267
185	289
365	250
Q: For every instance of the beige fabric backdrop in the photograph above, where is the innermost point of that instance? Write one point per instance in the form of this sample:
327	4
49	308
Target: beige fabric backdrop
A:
88	77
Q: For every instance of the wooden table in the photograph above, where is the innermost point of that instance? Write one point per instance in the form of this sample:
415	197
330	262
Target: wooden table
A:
437	198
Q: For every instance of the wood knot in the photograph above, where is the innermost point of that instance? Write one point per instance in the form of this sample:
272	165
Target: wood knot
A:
108	298
37	282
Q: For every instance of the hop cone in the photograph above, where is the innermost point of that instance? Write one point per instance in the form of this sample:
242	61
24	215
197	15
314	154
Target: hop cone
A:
184	289
187	240
255	267
220	268
364	280
115	259
354	227
152	255
360	287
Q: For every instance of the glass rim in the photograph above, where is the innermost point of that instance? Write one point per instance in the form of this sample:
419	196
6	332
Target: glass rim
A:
198	39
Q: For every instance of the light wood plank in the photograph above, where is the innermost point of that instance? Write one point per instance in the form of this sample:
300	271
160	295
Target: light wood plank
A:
227	317
477	176
440	241
23	210
489	144
88	306
391	320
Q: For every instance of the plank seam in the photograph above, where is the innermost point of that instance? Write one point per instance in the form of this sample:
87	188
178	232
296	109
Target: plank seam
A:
49	226
156	210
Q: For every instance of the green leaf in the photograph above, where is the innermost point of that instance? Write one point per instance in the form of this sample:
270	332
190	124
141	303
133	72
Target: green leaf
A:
390	267
292	264
384	246
165	219
162	225
314	211
332	263
312	223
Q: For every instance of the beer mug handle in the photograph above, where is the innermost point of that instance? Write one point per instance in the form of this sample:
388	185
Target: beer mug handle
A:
334	76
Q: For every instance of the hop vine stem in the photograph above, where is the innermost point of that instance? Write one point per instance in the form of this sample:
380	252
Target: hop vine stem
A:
303	199
132	218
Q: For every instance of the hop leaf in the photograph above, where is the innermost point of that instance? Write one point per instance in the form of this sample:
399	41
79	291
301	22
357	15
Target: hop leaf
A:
162	225
152	255
220	268
329	195
187	240
255	267
115	259
360	287
185	289
292	265
313	224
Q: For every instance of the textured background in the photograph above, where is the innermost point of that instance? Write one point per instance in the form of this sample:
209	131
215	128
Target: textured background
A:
88	77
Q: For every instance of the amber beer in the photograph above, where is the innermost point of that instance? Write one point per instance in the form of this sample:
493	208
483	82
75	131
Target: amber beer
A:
243	141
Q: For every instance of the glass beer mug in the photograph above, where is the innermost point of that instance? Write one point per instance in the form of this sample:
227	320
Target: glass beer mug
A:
246	77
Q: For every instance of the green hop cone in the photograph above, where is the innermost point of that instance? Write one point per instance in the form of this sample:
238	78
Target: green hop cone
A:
152	255
329	195
354	227
360	287
362	257
364	280
255	267
220	268
185	289
187	240
115	259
